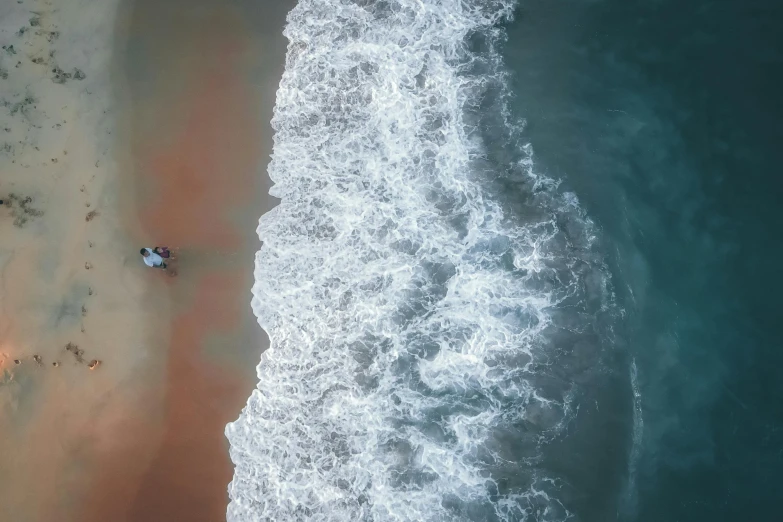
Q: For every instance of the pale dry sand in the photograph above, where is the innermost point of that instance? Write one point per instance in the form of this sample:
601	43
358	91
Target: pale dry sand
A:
171	150
63	278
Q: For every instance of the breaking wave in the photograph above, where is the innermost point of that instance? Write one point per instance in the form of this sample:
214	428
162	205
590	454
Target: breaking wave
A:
436	309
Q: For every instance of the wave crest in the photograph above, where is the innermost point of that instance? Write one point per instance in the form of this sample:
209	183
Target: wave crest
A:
418	330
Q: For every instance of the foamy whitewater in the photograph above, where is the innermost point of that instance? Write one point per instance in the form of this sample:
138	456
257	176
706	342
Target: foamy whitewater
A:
437	311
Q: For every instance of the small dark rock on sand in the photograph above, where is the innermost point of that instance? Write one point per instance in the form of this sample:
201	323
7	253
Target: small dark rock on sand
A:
94	364
91	215
55	364
17	361
37	359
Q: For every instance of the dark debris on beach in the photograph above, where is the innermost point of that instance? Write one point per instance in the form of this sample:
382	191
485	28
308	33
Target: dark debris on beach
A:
60	76
22	209
77	352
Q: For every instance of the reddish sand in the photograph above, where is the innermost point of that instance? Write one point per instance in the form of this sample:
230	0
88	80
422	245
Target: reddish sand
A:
198	150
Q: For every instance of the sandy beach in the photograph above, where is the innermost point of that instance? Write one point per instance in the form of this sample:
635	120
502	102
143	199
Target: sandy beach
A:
144	123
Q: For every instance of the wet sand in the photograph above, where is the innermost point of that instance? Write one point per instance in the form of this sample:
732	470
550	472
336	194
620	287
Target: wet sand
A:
141	437
201	82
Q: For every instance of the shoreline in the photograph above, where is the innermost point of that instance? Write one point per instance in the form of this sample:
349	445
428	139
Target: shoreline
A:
180	157
198	143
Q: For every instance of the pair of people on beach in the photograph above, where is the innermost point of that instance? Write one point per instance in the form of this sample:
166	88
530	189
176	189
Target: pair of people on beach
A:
155	257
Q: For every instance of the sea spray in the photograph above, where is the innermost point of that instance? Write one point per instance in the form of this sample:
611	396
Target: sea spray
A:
429	342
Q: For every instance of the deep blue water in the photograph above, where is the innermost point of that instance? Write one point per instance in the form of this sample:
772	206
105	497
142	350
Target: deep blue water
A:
664	117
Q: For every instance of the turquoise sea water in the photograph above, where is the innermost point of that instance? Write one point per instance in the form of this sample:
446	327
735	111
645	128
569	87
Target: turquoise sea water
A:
664	117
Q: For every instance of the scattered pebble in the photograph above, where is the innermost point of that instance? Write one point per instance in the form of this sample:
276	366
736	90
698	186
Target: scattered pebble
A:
37	358
17	361
94	364
87	265
91	215
55	364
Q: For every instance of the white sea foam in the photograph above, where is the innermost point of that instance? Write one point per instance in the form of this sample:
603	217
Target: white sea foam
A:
409	314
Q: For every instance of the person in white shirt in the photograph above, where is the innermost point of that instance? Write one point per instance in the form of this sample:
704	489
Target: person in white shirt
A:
152	259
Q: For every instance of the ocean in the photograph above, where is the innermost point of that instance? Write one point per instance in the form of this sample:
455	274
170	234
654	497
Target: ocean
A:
523	265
